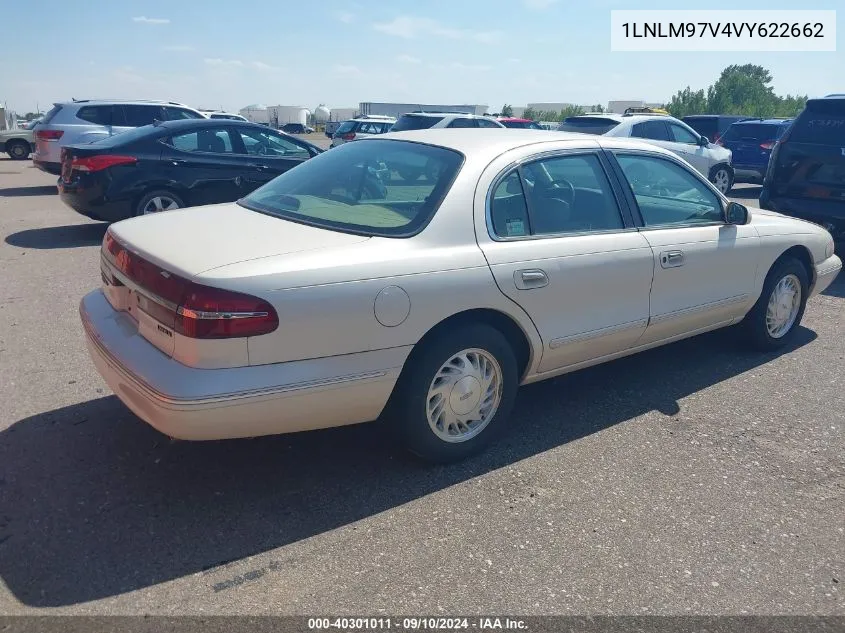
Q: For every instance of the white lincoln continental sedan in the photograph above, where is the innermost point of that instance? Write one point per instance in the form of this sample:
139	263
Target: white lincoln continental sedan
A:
419	278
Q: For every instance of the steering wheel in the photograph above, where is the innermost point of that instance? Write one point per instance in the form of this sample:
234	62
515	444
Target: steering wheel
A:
261	149
567	187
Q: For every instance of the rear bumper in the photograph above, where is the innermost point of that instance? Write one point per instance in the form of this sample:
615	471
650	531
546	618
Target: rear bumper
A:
49	167
826	272
210	404
90	201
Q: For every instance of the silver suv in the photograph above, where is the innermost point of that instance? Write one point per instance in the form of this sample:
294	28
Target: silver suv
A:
361	127
431	120
88	121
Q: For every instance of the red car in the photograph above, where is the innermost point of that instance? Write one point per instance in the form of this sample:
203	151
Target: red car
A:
522	124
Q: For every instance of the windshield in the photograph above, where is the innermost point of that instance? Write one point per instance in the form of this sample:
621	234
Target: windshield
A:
587	125
373	187
407	122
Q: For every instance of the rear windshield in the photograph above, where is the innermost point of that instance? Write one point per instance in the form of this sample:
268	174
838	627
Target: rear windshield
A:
373	187
587	125
754	131
708	127
346	126
415	123
822	122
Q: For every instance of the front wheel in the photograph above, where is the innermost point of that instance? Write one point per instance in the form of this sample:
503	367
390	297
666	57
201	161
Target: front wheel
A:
775	317
723	180
455	395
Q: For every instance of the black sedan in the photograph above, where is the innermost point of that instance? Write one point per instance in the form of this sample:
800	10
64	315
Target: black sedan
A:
175	164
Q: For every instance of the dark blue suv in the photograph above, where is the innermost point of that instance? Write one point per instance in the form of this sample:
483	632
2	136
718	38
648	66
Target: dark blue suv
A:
751	144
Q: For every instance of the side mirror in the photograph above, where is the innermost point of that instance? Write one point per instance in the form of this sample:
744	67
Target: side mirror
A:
703	141
737	214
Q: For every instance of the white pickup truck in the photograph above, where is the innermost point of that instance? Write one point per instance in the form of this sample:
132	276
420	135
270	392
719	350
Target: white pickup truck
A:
18	143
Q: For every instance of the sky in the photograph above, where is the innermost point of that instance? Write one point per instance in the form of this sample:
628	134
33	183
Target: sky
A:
227	54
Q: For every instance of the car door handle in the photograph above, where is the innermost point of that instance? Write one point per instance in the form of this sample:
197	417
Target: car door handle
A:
671	259
177	163
528	279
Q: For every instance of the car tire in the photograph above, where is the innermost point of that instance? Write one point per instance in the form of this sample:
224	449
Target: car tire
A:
774	319
723	178
471	368
158	200
18	150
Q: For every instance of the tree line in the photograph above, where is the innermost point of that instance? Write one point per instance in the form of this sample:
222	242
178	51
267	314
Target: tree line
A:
744	90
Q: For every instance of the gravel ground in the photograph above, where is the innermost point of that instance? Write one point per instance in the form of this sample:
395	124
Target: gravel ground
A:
697	478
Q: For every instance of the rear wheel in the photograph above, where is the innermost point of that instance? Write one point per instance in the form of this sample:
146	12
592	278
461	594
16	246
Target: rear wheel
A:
156	201
455	395
18	150
776	315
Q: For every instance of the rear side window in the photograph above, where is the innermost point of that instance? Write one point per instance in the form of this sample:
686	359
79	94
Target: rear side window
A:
654	130
565	194
415	123
486	123
463	123
822	122
587	125
99	115
214	141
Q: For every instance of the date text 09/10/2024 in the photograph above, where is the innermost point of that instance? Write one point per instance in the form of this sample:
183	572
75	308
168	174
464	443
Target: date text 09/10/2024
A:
416	624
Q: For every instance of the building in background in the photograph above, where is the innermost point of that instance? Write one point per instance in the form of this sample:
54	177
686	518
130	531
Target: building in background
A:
343	114
619	107
256	113
398	109
280	115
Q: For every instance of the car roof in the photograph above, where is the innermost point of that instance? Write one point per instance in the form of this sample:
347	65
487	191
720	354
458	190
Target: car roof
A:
716	116
187	124
491	142
764	121
609	115
514	119
442	114
124	102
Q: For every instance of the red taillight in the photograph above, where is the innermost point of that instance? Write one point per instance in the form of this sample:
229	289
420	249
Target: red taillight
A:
101	162
768	145
48	135
350	136
191	309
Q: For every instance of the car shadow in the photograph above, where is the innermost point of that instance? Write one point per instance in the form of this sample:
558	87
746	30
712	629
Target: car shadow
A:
36	190
69	236
94	503
746	193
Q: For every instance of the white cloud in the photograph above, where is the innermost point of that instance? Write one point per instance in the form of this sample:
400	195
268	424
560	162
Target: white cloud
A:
514	60
476	68
344	69
410	27
178	48
538	4
145	20
216	61
263	66
408	59
344	16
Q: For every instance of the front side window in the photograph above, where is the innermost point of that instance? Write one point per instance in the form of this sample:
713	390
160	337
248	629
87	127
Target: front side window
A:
681	134
410	122
463	123
214	141
261	143
654	130
357	188
564	194
138	115
177	114
668	193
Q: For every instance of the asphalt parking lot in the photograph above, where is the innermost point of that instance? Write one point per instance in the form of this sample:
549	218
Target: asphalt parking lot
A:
697	478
